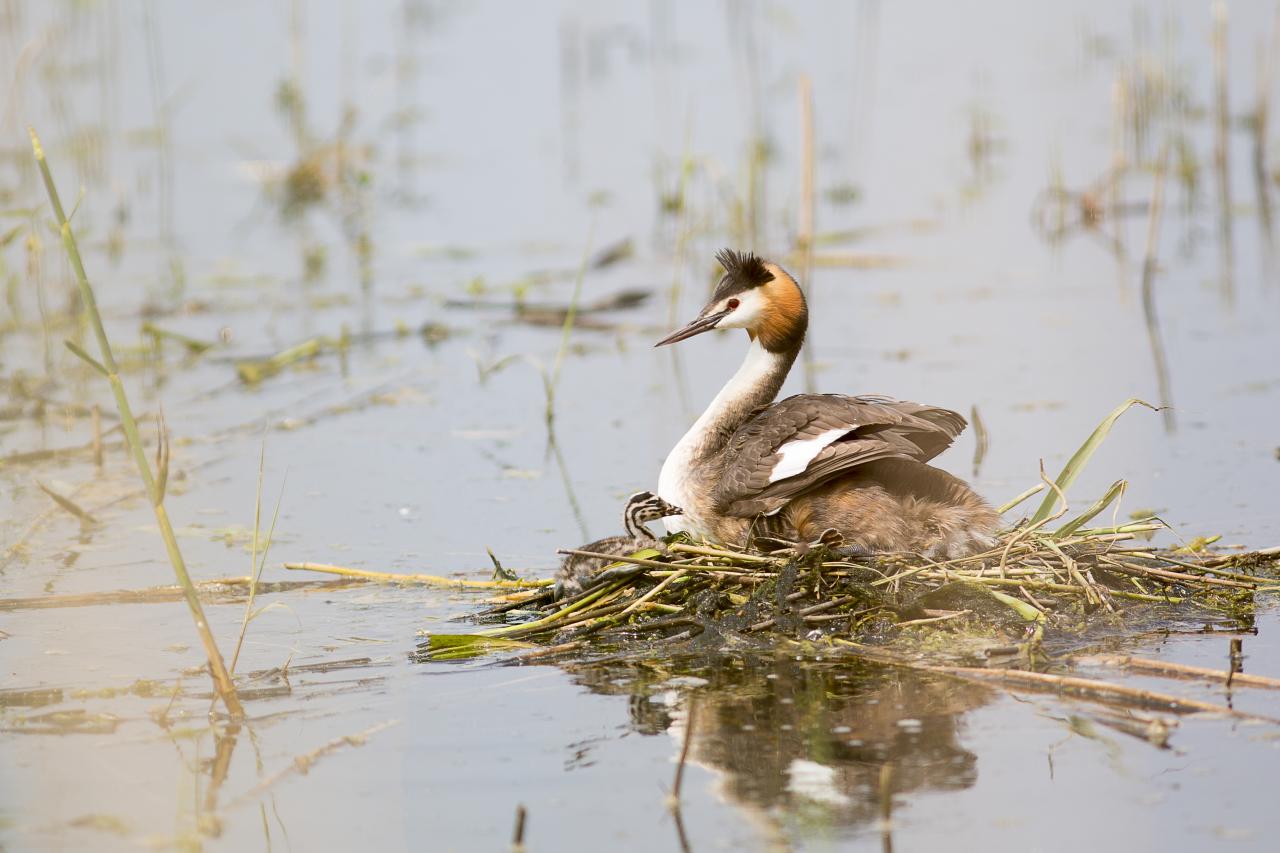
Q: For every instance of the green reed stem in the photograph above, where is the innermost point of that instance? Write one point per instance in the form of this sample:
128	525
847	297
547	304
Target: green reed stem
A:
155	491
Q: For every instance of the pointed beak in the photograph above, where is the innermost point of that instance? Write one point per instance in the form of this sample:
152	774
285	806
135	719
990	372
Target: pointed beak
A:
703	324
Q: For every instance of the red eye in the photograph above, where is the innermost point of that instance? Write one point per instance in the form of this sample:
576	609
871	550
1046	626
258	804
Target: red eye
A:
731	304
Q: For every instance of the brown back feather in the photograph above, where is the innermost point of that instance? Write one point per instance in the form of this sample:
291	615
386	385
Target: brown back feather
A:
879	428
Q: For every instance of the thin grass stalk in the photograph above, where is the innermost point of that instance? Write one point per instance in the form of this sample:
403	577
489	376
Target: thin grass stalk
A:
1169	576
1119	159
1093	689
1081	457
1169	669
1112	494
644	599
257	562
703	551
804	236
982	439
1091	593
1052	586
1013	502
558	617
570	316
221	677
1148	291
1056	491
682	236
1222	146
1261	118
517	835
425	580
253	552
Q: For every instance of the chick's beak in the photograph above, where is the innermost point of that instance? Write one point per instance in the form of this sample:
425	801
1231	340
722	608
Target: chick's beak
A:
704	323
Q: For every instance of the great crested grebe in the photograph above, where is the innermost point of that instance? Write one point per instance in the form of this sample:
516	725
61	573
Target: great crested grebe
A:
641	507
811	463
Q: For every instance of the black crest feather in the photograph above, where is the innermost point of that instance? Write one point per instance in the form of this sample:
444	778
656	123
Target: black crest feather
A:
744	269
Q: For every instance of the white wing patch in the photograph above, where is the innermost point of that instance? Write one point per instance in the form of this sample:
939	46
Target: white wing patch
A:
796	455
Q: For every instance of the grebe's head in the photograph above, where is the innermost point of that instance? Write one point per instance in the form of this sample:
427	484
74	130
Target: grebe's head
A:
755	295
642	507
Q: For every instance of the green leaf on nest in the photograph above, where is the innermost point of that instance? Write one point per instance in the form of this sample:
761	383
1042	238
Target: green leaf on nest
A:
464	646
1025	610
1108	498
1081	457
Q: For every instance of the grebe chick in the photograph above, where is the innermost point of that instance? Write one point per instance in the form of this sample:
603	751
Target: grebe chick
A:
641	507
798	467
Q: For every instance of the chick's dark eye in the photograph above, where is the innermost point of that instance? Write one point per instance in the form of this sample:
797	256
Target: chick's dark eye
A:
731	304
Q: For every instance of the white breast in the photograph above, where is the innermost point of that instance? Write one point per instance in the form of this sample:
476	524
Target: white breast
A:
796	455
673	487
675	483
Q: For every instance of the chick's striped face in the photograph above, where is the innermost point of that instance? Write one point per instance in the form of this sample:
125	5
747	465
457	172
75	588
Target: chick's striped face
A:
643	507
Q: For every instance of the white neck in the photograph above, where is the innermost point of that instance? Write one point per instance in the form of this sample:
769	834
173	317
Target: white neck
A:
743	392
755	384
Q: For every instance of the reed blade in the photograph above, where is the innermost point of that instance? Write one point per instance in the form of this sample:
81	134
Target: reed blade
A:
1081	457
1109	497
221	678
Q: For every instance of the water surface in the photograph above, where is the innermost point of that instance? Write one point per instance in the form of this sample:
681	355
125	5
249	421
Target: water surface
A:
260	177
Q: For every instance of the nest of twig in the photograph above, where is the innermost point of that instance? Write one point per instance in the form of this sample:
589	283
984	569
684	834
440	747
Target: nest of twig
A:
1032	580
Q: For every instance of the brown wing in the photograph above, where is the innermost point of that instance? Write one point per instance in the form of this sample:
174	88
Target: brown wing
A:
875	428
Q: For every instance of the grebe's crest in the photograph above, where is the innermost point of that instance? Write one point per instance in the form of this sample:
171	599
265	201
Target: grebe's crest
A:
755	295
742	271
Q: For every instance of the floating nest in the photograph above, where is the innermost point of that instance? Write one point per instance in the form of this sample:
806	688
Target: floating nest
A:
1045	577
1033	581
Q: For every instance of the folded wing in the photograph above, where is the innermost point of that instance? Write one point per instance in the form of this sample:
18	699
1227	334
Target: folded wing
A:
802	442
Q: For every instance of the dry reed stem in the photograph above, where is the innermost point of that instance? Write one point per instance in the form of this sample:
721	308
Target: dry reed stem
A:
1094	689
703	551
1032	492
933	619
804	235
616	558
667	581
1148	289
425	580
217	591
1050	586
1169	669
1176	577
1031	528
517	835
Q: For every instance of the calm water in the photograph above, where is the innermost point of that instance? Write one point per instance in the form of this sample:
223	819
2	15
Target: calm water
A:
259	177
